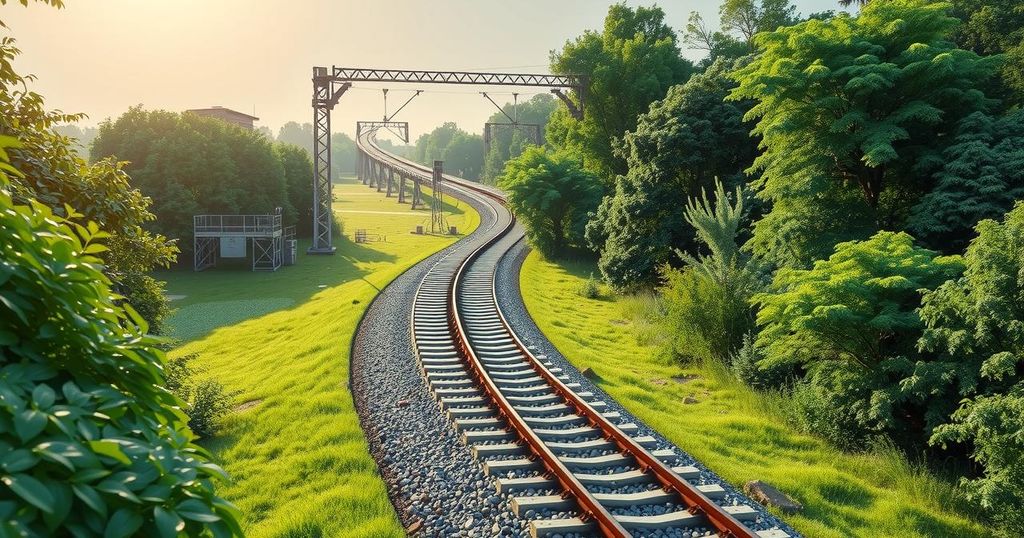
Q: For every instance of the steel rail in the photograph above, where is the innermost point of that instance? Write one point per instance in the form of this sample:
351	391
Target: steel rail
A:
696	501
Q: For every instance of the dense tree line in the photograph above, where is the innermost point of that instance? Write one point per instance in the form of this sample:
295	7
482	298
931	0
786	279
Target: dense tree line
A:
509	142
189	164
827	204
462	152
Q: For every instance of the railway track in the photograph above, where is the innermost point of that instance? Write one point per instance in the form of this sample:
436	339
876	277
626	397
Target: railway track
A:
571	466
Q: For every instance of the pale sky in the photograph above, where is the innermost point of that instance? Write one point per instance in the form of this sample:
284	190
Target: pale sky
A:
102	56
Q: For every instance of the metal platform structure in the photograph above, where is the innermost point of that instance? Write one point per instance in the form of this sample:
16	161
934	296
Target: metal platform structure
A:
226	236
329	84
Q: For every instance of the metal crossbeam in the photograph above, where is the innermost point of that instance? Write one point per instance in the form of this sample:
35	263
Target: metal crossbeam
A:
358	74
402	126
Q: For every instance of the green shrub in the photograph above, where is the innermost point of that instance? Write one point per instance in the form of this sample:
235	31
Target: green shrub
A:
91	443
746	365
708	301
590	288
206	400
851	323
974	380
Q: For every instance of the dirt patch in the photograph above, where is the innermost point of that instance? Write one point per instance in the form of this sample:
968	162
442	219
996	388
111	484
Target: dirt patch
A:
658	381
685	378
618	322
247	405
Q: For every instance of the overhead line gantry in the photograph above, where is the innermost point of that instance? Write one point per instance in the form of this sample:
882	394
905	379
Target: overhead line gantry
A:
330	84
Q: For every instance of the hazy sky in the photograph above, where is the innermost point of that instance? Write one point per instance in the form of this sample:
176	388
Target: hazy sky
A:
102	56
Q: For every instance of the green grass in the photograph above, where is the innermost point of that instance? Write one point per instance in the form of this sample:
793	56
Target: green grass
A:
293	446
739	433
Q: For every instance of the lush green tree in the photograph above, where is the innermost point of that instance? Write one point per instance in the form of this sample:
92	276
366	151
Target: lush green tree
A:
298	178
55	175
981	177
509	142
677	149
551	194
974	380
81	137
853	113
851	322
630	64
189	165
92	443
708	308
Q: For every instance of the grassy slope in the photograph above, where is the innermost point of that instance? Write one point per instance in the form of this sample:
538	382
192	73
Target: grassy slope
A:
734	431
294	447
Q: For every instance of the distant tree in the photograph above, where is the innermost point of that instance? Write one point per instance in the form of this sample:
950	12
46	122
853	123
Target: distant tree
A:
854	117
718	44
81	137
551	195
677	149
298	178
747	18
266	132
630	64
508	142
981	178
462	152
298	135
343	155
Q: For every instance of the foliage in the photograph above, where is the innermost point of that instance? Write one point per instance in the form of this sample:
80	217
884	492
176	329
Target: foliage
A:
851	321
708	302
90	442
206	400
551	195
509	142
975	328
189	165
747	18
629	65
746	365
718	44
853	112
462	153
982	176
55	175
298	177
590	288
679	146
995	27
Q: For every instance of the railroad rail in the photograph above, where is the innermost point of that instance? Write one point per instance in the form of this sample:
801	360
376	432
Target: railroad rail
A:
570	466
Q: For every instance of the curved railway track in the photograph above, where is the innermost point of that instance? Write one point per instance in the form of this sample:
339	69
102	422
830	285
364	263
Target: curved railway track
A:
571	467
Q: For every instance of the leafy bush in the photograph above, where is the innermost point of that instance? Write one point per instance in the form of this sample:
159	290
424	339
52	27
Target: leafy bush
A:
207	401
90	442
746	365
708	301
590	288
851	323
974	384
552	196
